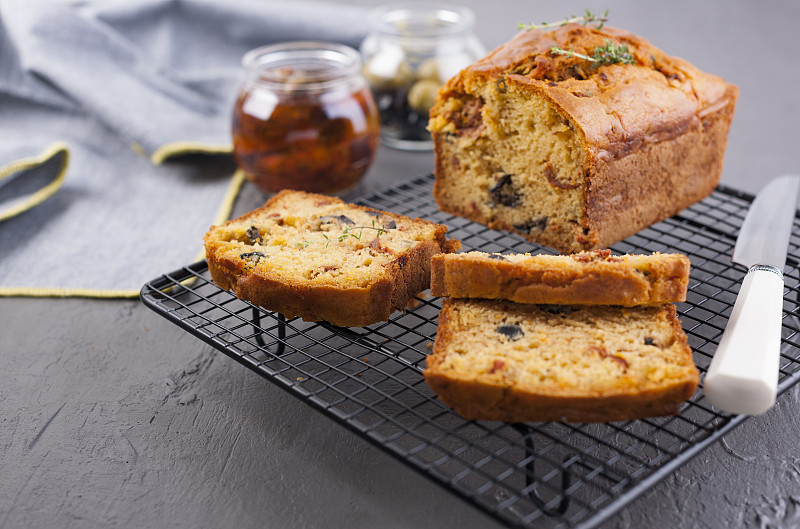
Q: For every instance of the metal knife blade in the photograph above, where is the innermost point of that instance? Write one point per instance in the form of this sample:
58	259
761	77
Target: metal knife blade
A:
764	235
743	375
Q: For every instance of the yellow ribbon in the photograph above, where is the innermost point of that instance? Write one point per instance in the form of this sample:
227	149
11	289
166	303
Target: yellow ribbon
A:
45	191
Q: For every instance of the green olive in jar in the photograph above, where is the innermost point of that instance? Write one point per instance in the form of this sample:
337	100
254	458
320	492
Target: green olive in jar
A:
422	95
388	70
429	69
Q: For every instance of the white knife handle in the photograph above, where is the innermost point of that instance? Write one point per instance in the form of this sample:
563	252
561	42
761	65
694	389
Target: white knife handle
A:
743	375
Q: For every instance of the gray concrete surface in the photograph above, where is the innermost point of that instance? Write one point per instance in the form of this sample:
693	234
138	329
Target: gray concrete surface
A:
110	416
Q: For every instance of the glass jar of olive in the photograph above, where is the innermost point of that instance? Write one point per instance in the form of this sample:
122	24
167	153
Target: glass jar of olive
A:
411	50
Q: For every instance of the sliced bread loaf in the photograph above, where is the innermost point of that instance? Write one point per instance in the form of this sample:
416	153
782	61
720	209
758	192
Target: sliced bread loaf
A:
571	153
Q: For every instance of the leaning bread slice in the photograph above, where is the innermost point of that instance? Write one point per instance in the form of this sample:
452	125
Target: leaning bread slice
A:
319	258
510	362
591	278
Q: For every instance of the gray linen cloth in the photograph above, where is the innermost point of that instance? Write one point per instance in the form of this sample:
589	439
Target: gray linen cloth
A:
99	104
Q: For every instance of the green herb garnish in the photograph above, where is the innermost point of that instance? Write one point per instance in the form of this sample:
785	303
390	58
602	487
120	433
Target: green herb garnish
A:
586	19
355	232
609	54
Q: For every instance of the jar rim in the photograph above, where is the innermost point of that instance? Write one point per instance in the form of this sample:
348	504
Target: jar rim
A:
302	65
430	20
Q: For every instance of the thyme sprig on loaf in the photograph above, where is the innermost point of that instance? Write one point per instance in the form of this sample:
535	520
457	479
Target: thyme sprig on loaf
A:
587	18
610	53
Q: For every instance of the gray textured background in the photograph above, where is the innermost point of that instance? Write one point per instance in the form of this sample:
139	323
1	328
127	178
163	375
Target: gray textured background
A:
112	416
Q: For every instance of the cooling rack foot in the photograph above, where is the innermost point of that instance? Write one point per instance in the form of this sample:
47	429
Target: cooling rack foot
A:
260	333
530	472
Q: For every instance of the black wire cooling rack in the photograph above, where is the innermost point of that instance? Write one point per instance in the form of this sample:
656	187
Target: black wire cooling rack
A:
533	474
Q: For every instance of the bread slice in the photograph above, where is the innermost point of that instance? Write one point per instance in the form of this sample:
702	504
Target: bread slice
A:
592	278
501	361
319	258
575	155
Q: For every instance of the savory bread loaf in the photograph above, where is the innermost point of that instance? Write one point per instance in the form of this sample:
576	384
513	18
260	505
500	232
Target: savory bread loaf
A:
501	361
316	257
572	154
588	278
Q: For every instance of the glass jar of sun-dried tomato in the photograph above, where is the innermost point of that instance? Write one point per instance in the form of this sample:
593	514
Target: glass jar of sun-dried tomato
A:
305	118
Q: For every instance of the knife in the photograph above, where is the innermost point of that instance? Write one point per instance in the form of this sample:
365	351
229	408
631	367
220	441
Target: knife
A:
743	375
